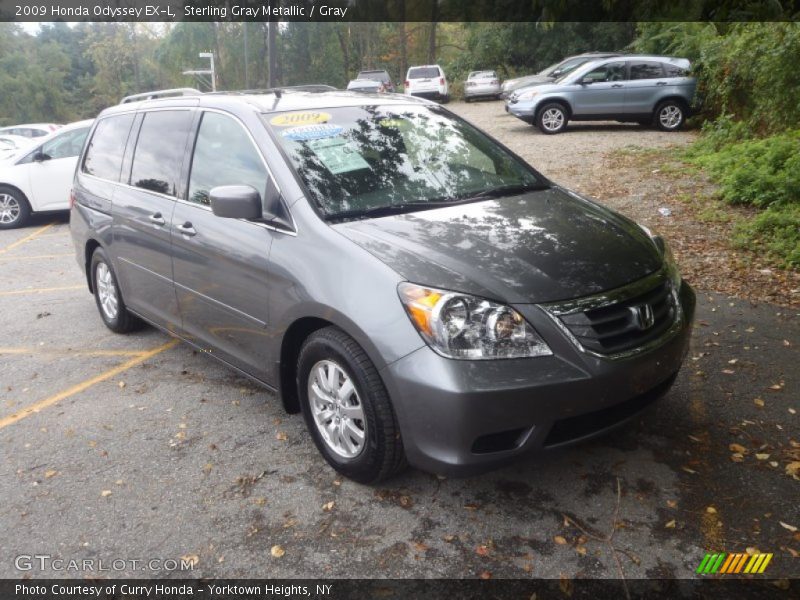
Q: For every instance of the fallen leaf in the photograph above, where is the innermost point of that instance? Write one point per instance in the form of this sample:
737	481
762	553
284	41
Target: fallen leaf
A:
581	550
281	436
50	473
728	371
776	386
486	575
752	550
482	550
449	538
105	493
791	528
792	411
565	584
420	546
207	468
277	551
670	524
733	361
328	506
758	402
773	463
786	343
121	384
737	448
762	456
190	559
711	510
560	540
793	469
737	457
672	503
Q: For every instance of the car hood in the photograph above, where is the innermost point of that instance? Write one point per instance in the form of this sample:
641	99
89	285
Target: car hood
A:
538	247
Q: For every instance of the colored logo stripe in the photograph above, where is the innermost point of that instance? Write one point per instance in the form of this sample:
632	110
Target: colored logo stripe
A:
733	563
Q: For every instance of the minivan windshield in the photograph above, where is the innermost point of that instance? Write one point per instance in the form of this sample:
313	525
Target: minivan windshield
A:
361	161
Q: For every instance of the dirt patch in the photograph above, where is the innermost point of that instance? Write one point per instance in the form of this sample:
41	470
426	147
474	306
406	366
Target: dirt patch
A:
637	171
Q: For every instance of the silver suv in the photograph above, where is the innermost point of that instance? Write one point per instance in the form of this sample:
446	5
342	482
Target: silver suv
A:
640	89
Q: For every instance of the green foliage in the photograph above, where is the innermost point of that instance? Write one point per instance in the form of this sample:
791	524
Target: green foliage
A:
776	231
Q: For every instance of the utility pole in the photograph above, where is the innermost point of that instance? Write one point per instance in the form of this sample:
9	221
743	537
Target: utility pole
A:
210	72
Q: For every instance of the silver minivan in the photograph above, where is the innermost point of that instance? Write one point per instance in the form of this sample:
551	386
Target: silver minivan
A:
419	292
654	90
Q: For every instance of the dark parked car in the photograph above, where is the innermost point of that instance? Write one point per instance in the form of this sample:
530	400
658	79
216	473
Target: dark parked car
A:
654	90
418	291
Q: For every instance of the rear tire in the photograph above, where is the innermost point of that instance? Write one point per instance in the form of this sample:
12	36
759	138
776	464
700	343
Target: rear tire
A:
347	409
552	118
15	210
670	115
108	297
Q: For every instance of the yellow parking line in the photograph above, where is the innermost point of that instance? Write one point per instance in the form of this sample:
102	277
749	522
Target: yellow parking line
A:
75	389
26	238
69	352
37	257
42	290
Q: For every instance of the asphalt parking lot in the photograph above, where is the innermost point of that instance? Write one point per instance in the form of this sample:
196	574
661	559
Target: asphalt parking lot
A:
138	448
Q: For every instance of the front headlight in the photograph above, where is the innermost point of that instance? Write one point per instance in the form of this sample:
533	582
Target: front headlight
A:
666	255
466	327
527	95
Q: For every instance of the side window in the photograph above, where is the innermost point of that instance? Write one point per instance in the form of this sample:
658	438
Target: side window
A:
65	145
224	155
608	72
646	70
104	153
159	151
674	70
34	133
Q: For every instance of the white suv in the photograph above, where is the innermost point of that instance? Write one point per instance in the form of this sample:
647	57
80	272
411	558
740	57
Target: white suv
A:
427	81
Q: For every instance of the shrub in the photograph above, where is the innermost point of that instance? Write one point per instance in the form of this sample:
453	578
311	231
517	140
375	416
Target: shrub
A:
776	230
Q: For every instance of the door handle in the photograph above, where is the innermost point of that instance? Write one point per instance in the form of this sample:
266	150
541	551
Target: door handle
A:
661	83
157	219
186	229
617	85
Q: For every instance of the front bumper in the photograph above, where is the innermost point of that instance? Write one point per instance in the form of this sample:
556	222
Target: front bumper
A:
481	91
465	417
522	110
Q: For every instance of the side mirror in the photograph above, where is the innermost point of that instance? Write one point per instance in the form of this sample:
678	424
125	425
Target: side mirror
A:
40	156
586	81
236	202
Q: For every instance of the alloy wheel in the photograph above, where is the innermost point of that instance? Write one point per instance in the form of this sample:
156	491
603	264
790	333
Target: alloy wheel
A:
337	409
9	209
106	291
552	119
670	116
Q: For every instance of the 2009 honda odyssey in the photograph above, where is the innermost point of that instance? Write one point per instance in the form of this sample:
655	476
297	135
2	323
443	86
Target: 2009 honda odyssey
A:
419	292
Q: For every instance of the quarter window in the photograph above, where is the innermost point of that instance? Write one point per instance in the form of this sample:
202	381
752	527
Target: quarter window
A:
674	70
224	155
646	70
159	151
105	150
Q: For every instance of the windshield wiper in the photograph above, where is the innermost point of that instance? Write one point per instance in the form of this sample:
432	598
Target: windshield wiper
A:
507	190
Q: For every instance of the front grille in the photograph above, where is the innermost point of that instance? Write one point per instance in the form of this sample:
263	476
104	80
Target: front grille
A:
625	323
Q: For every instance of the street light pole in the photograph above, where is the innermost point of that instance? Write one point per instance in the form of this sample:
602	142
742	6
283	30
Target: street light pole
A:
210	57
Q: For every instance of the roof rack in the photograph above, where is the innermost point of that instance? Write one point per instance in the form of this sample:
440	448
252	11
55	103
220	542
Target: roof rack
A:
160	94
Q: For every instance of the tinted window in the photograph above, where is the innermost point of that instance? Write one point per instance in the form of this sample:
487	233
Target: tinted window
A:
224	155
374	157
423	73
646	70
159	151
609	72
674	70
65	145
105	150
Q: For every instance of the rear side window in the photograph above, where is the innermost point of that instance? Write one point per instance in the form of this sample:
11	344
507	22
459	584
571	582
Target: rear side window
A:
65	145
674	70
104	153
159	151
224	155
646	70
423	73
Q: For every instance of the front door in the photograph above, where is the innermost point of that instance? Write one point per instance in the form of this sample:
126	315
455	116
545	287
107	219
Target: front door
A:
51	177
219	264
142	214
602	91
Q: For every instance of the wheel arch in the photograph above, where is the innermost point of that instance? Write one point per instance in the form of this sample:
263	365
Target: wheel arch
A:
554	100
672	97
91	245
16	189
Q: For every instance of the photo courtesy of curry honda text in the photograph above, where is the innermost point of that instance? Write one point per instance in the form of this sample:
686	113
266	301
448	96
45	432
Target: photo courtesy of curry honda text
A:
416	290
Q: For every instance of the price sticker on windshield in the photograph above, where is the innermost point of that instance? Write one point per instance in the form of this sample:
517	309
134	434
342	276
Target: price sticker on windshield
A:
300	118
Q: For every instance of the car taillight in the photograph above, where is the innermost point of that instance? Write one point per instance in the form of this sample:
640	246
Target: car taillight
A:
407	83
441	81
495	81
71	198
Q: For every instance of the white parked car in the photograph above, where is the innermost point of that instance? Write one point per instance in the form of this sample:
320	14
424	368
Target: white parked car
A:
39	178
30	130
427	81
481	84
12	144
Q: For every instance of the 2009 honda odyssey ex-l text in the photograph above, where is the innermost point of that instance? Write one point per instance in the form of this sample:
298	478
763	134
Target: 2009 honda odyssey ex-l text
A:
419	292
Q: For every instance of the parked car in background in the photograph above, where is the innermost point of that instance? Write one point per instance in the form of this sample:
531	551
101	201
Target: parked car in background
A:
427	81
648	90
416	290
366	85
11	144
381	75
39	178
481	84
30	130
552	72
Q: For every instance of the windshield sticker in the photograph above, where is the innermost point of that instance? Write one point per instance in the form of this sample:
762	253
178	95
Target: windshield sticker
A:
338	155
300	118
304	133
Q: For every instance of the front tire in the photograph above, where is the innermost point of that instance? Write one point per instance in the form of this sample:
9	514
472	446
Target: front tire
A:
552	118
108	298
347	409
14	208
670	115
